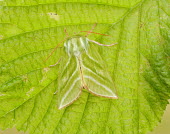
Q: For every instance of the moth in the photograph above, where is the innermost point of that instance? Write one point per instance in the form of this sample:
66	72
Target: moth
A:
82	67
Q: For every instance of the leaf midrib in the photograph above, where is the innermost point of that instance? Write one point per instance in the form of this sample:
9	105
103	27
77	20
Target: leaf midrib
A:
92	3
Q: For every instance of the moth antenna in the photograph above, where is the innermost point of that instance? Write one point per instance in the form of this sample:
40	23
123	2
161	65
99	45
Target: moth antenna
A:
54	49
88	32
66	32
101	44
95	33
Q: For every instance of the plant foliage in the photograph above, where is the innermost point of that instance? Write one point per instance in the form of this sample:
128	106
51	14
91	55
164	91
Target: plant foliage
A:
139	64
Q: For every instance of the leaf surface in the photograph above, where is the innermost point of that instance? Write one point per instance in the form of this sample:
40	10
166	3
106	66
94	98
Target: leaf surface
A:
139	65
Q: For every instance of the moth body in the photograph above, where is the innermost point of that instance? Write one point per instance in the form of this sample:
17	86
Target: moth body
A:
76	45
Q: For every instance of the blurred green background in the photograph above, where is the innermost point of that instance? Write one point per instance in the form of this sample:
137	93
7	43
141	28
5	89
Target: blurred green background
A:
162	128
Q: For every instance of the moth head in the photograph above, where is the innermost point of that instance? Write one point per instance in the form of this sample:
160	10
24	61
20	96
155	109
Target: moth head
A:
76	45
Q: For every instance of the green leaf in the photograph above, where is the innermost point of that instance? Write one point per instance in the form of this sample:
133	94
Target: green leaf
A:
139	64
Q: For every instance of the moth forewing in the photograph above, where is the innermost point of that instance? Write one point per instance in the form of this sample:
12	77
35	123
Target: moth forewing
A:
69	82
96	76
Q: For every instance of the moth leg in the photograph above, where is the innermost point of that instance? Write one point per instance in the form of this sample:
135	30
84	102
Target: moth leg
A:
55	92
56	63
100	44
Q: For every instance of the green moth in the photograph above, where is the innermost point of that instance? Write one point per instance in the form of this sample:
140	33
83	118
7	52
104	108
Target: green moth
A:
82	67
